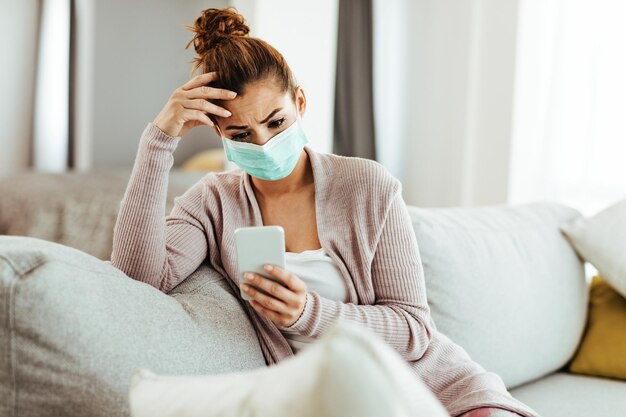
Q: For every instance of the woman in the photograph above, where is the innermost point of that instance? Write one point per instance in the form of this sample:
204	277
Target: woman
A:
351	252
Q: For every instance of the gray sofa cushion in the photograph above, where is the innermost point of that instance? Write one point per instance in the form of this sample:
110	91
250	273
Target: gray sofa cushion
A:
504	283
73	328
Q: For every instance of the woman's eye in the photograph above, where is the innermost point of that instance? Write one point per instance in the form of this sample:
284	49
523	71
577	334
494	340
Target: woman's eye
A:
241	136
277	123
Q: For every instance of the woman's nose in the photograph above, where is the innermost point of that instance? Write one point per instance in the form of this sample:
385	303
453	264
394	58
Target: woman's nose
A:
262	138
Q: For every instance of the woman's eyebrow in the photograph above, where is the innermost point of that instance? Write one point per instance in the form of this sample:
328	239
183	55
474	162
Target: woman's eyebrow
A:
232	127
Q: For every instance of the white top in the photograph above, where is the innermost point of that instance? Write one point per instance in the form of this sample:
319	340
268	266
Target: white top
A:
321	274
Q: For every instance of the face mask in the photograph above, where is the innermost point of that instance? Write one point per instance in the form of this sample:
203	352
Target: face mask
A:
273	160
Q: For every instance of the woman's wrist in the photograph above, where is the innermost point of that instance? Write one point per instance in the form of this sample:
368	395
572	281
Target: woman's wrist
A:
292	326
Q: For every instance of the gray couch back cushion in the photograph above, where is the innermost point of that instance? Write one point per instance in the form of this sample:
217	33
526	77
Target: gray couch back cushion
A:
504	283
73	328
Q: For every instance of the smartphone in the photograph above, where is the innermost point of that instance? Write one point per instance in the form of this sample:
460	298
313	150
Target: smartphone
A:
257	246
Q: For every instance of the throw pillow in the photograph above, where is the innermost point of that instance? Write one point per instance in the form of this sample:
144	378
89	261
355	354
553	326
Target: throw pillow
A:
348	372
601	240
73	328
601	352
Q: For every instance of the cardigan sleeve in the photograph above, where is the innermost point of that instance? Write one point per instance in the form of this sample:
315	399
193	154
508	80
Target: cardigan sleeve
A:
149	246
400	313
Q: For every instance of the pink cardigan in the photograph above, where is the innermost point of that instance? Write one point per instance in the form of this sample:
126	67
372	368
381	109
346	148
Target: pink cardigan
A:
363	224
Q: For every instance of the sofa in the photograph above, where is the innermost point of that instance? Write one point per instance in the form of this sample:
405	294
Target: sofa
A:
502	281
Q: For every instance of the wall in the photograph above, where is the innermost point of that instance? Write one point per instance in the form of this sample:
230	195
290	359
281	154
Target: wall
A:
138	59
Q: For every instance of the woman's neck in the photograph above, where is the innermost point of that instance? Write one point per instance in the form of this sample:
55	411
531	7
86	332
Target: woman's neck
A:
299	179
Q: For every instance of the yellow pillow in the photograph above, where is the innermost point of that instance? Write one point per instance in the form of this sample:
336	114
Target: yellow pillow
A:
209	160
602	351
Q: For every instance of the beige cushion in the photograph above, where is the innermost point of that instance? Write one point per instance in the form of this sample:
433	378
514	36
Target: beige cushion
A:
601	240
208	160
348	372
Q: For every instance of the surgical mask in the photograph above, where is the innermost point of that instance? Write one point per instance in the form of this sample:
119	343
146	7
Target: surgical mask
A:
273	160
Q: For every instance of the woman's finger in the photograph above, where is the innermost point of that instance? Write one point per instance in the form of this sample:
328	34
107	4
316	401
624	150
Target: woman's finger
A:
291	280
207	107
273	288
270	314
190	114
265	300
207	93
199	80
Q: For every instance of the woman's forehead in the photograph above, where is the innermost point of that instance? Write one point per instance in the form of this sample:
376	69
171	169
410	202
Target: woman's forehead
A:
254	105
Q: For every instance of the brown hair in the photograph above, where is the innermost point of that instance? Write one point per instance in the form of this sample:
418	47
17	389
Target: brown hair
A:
222	44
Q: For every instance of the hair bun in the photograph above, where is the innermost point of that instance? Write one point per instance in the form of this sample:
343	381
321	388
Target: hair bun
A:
215	26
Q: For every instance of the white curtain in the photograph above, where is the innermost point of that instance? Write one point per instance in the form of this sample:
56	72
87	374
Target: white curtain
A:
18	31
569	135
443	94
51	135
391	53
35	81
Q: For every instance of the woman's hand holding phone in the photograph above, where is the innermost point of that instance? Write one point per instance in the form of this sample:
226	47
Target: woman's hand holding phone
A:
285	304
188	106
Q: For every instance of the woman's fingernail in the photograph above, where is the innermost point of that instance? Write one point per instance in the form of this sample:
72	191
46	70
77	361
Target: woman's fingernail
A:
232	94
247	275
268	268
